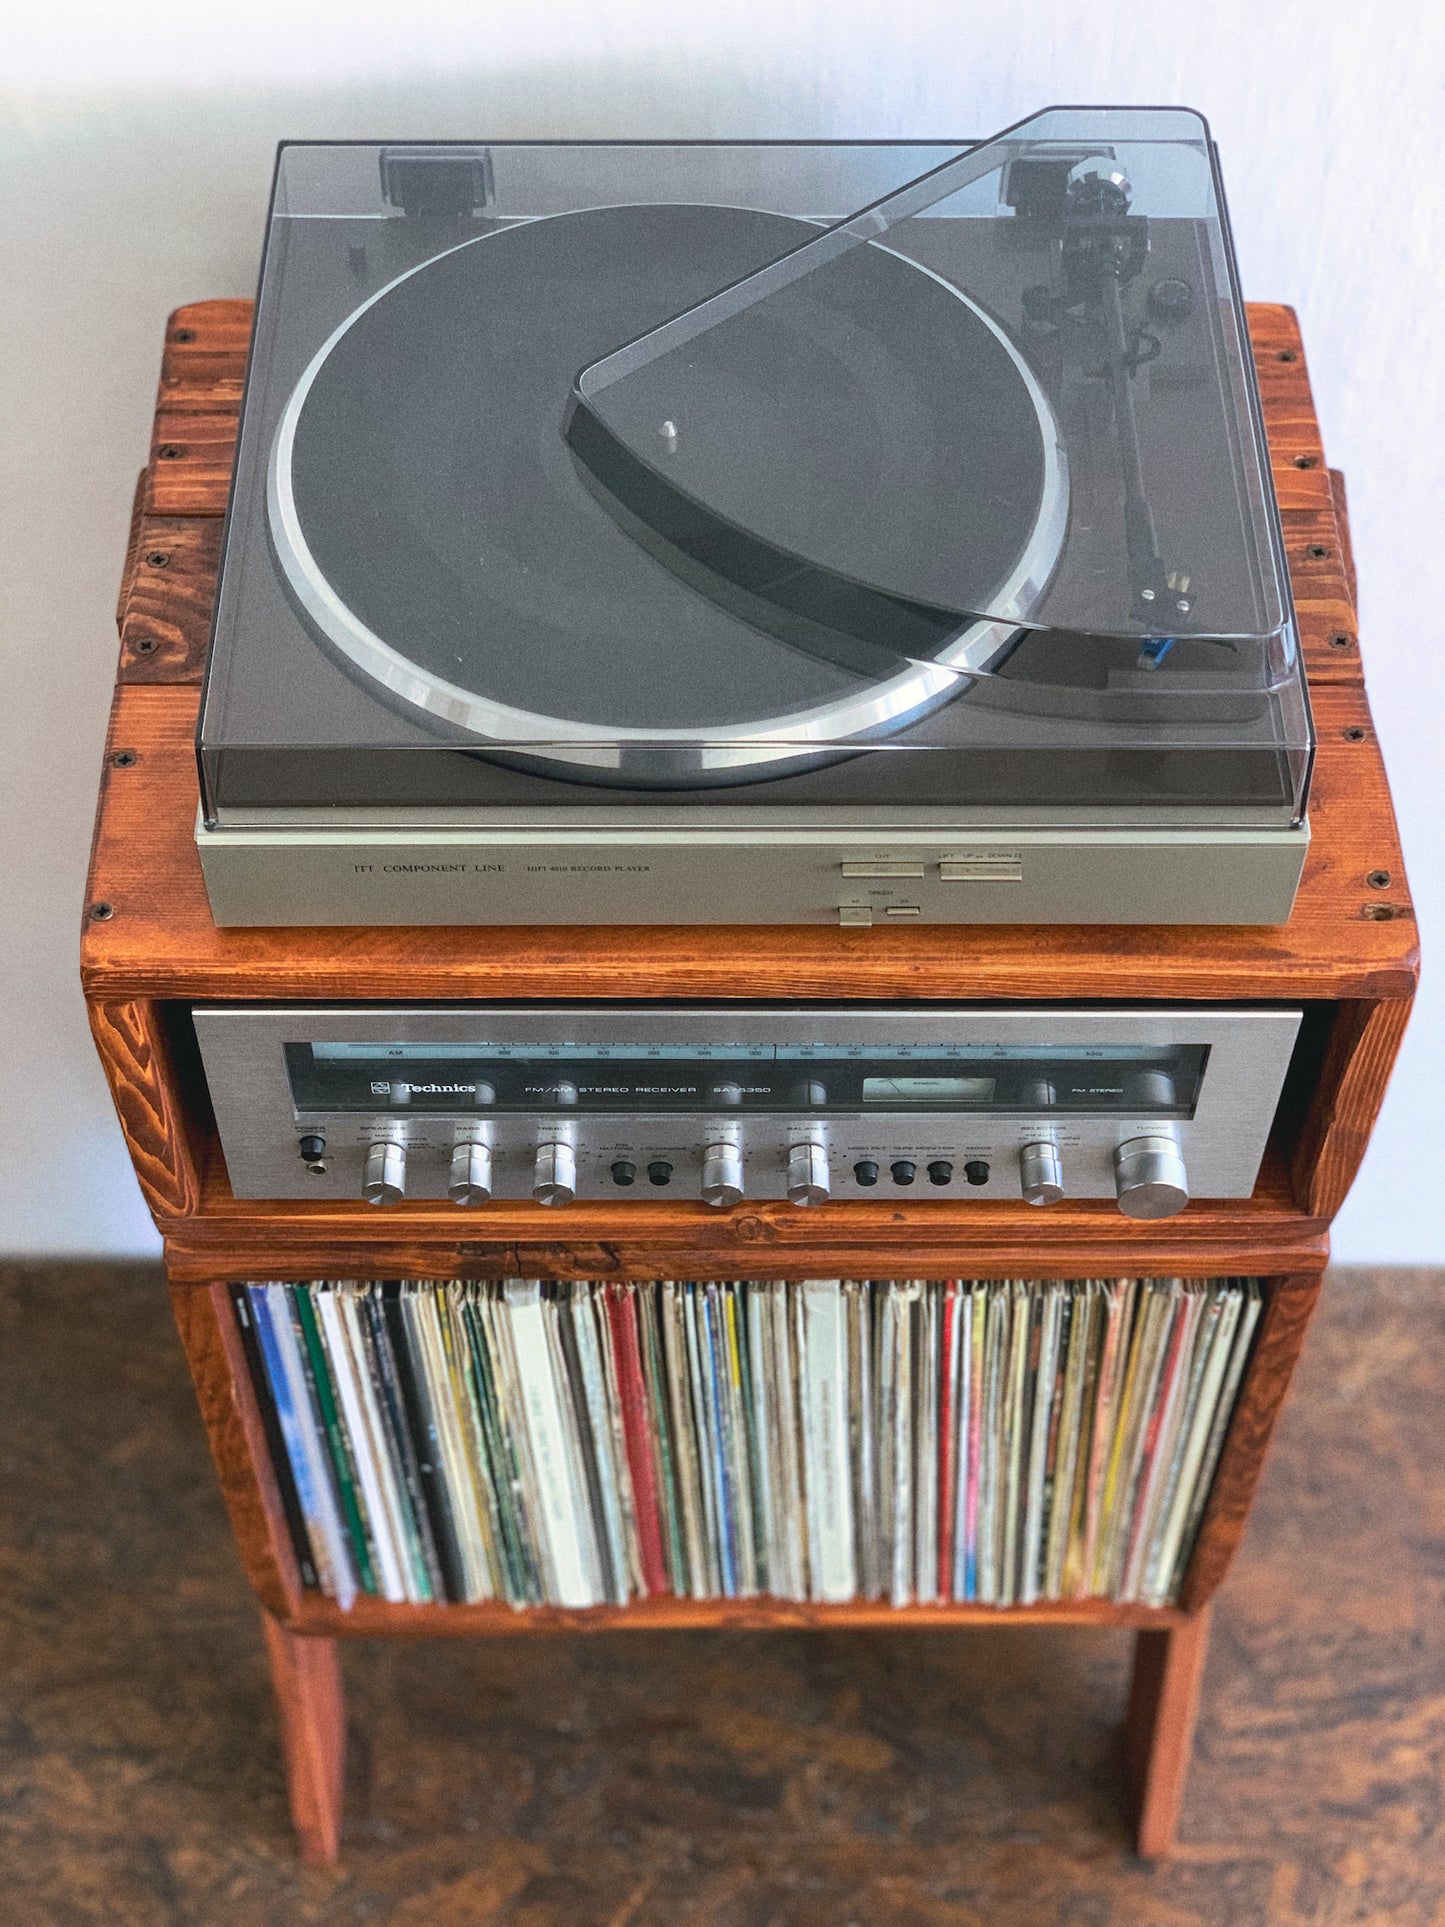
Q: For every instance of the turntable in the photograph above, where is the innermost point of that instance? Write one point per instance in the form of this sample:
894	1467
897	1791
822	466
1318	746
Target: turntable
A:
644	534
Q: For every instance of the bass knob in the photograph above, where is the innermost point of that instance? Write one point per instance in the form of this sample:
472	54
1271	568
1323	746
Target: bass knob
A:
471	1181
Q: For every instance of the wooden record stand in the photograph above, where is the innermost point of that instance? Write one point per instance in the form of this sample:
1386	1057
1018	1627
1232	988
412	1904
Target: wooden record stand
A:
150	948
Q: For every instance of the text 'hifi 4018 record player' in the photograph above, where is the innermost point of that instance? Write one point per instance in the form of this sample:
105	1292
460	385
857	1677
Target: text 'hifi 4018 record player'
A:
639	534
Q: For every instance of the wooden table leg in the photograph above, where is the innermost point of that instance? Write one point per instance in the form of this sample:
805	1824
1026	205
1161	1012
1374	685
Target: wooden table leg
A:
306	1674
1163	1702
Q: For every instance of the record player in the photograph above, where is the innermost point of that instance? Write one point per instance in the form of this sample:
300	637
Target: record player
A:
754	533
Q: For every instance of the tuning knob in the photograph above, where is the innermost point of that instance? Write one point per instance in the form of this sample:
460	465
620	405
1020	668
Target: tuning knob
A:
385	1181
1041	1173
555	1175
1150	1178
722	1174
807	1174
471	1174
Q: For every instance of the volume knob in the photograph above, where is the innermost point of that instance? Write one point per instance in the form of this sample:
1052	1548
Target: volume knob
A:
1150	1178
1041	1173
807	1174
722	1174
555	1177
471	1174
385	1180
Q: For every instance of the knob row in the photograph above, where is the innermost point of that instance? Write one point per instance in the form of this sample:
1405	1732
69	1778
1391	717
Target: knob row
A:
1149	1174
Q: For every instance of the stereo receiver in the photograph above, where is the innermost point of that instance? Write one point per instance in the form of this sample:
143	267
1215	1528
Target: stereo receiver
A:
725	1103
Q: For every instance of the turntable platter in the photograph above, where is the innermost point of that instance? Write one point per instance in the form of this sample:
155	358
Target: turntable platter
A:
445	540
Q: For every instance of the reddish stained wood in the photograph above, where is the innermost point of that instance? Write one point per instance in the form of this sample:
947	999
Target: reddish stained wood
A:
136	1056
206	1321
311	1704
1342	523
1363	1047
137	511
1289	1305
165	613
1159	1730
370	1617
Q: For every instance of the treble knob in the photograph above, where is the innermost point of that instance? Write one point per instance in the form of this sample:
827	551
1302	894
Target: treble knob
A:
385	1180
555	1174
722	1174
471	1174
807	1174
1150	1178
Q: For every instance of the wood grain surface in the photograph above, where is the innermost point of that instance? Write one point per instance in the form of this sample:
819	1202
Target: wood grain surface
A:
306	1677
1159	1727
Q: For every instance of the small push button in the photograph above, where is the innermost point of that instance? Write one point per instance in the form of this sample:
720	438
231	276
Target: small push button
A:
940	1172
623	1172
904	1170
976	1170
659	1172
866	1171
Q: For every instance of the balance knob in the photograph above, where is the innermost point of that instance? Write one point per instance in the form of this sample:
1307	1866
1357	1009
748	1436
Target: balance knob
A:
1041	1173
471	1174
807	1174
722	1174
555	1177
385	1181
1150	1178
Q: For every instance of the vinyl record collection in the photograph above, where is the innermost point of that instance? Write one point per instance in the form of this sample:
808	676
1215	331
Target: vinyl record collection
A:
582	1444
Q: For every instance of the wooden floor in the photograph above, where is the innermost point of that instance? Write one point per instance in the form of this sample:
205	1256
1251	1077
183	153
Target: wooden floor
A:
643	1781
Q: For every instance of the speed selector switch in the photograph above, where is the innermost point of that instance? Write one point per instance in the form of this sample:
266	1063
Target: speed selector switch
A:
471	1180
1041	1173
385	1181
1150	1178
554	1179
807	1174
722	1174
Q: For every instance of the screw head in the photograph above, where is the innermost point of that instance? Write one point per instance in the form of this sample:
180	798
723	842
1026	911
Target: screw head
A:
124	759
170	452
1287	354
1378	879
101	912
1146	595
1339	641
1318	551
1354	734
157	559
145	645
1300	461
184	334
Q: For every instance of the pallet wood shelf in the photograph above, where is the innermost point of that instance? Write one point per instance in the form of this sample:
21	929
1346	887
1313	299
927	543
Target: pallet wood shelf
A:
150	950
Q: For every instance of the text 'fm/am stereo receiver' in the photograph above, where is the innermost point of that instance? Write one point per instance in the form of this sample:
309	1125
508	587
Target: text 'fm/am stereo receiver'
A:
1141	1103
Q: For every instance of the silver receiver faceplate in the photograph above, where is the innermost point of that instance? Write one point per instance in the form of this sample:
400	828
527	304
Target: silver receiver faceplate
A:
1144	1103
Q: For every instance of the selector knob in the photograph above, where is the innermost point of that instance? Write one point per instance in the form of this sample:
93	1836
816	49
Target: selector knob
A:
385	1181
1150	1178
807	1174
555	1175
1041	1173
471	1174
722	1174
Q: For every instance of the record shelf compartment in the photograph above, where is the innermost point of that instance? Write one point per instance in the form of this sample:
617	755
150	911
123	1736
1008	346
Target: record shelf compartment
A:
150	950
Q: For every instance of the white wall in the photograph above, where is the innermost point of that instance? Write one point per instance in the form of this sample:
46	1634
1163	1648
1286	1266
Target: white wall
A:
135	152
